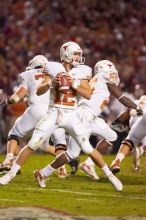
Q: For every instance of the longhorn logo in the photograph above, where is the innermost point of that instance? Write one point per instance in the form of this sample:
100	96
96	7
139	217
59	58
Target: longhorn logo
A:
65	47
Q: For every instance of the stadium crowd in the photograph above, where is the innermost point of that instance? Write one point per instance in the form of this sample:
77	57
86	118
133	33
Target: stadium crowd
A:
114	30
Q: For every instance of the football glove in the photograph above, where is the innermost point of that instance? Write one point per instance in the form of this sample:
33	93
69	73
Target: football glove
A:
139	111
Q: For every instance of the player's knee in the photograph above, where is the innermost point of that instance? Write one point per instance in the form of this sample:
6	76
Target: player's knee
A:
86	146
128	143
60	147
13	137
35	144
44	147
113	137
87	149
73	154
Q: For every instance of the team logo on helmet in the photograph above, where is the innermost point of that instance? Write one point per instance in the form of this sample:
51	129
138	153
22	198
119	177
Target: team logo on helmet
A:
67	52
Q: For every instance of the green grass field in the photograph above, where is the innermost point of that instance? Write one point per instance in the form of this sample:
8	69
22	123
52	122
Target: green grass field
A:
78	195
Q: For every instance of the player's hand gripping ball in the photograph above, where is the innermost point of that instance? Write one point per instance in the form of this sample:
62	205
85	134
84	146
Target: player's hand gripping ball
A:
64	82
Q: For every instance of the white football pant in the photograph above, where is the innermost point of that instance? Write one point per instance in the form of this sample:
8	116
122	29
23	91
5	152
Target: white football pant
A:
28	120
80	124
46	127
138	130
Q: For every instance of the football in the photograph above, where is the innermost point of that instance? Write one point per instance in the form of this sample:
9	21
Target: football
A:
64	82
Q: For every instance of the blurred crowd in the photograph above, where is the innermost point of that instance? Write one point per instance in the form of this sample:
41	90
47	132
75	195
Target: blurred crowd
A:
108	29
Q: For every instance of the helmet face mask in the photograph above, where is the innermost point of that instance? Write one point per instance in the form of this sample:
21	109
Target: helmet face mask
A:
38	61
104	65
71	52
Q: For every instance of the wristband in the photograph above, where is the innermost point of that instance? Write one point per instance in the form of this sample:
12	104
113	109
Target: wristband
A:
76	83
13	99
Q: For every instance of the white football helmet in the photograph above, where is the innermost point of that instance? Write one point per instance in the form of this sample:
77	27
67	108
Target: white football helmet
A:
104	66
28	68
67	51
38	61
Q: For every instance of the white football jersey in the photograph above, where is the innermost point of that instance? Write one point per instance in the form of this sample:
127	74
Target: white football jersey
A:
69	99
54	68
100	96
31	79
142	103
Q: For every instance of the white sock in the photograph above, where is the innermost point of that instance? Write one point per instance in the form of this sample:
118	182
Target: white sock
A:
9	156
47	171
15	168
141	150
89	162
120	156
106	170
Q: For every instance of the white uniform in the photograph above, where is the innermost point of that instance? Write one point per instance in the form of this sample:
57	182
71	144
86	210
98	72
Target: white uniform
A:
60	105
137	132
38	105
85	121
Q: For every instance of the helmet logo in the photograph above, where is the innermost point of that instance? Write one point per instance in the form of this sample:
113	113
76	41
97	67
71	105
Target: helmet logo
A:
65	47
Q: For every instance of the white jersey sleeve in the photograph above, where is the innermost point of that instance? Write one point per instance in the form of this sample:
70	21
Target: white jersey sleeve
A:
54	68
81	72
23	79
111	77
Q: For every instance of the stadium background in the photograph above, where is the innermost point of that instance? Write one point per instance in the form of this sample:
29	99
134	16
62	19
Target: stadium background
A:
109	29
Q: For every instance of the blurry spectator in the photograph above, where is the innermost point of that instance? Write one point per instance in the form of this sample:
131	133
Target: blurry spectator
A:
115	30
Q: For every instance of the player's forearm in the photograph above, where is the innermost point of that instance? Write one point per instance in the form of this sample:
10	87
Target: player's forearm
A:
18	95
127	102
83	88
45	85
84	92
43	88
124	116
117	93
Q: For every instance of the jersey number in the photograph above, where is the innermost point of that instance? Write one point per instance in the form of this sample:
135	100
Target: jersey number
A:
105	102
39	76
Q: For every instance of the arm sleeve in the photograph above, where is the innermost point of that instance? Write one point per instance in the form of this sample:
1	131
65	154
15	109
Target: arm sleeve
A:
22	80
85	73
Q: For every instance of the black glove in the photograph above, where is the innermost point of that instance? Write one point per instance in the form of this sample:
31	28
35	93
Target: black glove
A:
139	111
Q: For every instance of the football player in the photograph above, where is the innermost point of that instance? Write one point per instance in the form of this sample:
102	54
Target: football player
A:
135	136
80	123
37	107
60	104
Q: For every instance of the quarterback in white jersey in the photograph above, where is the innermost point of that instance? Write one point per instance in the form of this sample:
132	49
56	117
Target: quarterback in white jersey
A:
136	135
80	123
60	104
